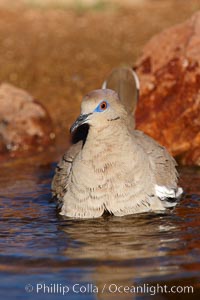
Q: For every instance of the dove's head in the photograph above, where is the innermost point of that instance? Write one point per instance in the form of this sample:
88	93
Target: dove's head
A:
100	109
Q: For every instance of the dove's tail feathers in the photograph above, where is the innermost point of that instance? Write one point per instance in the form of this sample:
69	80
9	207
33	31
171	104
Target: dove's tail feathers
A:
125	82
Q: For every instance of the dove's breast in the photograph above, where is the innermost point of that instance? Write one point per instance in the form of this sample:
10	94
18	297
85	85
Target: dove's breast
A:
106	179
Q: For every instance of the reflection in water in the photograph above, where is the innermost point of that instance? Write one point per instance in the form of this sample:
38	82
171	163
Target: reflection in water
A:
124	248
35	240
114	238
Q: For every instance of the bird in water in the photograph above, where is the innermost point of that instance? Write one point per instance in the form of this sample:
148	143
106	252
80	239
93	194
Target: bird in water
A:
112	167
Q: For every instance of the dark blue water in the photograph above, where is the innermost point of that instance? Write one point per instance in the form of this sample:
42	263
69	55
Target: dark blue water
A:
43	255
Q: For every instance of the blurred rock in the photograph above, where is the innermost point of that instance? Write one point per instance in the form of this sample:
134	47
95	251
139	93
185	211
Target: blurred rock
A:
24	123
169	106
2	145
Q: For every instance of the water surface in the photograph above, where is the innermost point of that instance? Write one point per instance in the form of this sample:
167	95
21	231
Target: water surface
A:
37	246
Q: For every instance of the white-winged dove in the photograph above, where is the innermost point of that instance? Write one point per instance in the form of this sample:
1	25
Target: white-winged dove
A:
111	167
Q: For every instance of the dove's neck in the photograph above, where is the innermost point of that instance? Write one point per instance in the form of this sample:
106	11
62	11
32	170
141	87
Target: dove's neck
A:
108	139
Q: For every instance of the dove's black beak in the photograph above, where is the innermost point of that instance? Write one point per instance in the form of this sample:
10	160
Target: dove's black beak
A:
82	119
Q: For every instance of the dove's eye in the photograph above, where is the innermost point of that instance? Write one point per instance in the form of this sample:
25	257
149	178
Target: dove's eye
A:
102	106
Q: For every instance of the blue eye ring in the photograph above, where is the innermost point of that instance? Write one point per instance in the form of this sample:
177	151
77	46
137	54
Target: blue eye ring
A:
102	106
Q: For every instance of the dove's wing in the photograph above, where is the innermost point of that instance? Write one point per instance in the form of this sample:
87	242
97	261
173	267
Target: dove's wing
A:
62	172
163	169
125	82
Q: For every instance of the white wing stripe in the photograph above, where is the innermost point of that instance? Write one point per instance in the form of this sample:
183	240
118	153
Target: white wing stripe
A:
164	192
